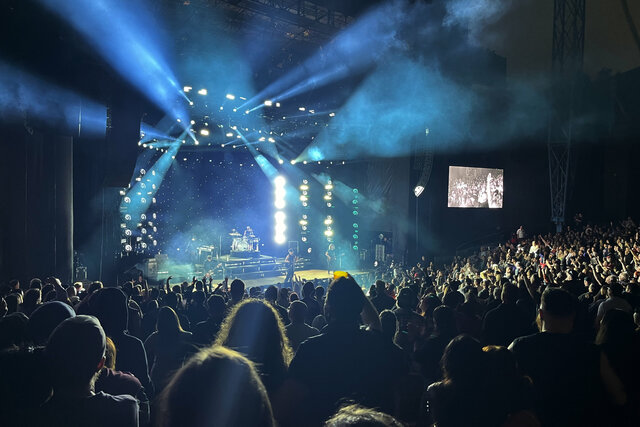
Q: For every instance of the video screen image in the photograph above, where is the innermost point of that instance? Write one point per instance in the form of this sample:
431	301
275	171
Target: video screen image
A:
475	187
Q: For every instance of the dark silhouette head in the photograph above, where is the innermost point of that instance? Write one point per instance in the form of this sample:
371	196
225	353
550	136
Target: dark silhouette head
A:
255	329
271	293
237	290
462	361
308	290
345	301
168	323
45	319
297	312
76	352
389	323
229	393
109	305
360	416
216	307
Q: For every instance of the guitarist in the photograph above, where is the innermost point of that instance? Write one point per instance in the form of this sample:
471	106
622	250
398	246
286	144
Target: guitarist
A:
331	258
290	262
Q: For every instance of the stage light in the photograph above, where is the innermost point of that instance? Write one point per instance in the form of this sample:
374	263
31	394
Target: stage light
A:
303	222
293	162
327	197
332	114
204	132
143	217
231	97
190	102
279	204
268	103
418	190
229	134
272	140
304	239
303	198
280	161
247	111
261	139
128	248
127	199
280	239
328	233
355	225
278	104
328	187
328	221
127	232
301	108
193	122
304	162
187	89
202	92
279	181
143	245
280	216
179	121
304	187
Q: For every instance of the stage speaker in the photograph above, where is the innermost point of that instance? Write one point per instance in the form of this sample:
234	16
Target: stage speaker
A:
123	134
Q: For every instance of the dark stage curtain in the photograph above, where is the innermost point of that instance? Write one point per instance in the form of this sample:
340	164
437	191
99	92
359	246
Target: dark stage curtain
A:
37	216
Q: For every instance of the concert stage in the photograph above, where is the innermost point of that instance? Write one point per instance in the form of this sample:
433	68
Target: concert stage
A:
256	271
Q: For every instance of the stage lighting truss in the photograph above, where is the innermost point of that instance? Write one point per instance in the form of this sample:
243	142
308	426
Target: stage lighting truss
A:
305	213
355	227
329	221
138	231
280	192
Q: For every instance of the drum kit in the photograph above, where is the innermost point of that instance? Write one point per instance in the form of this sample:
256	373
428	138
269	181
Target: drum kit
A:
244	243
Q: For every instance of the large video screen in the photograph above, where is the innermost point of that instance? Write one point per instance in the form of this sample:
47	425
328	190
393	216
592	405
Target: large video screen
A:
475	187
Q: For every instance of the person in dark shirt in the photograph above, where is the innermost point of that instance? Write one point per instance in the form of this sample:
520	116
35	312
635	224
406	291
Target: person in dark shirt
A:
205	332
382	301
344	362
506	322
271	296
567	372
109	305
429	353
308	297
81	340
464	374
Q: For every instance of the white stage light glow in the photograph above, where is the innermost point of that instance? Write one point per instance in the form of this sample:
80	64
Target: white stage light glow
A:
202	92
418	190
231	97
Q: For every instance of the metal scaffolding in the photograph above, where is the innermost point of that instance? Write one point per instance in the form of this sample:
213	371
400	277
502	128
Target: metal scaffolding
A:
567	58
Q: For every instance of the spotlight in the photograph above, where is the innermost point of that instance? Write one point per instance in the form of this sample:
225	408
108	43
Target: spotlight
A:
272	140
332	114
293	162
280	239
261	139
279	204
229	135
204	132
193	122
328	233
187	89
280	216
202	92
268	103
280	161
231	97
279	181
278	104
418	190
328	187
128	248
302	109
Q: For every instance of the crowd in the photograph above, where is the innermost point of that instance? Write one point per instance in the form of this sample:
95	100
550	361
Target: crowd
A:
476	190
538	331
